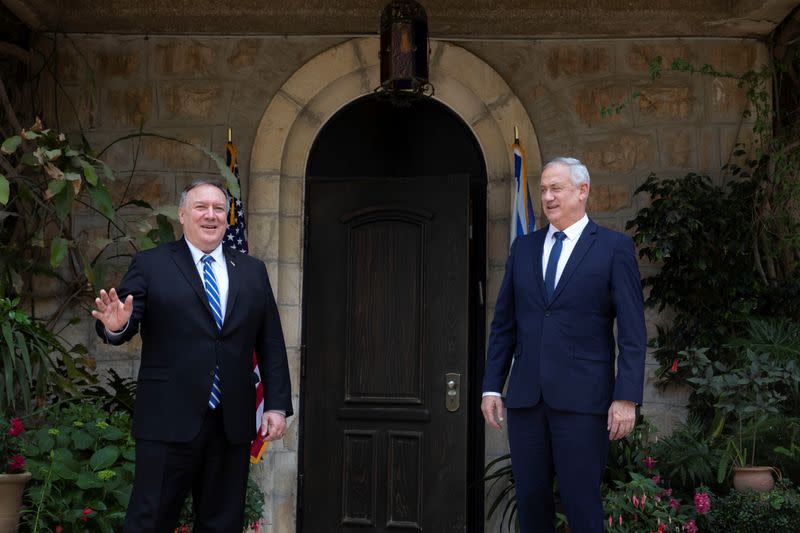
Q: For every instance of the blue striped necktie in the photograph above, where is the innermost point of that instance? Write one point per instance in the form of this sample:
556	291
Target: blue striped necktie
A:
552	264
212	292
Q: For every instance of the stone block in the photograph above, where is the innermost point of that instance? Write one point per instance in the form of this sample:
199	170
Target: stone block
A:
678	148
289	279
665	103
297	144
589	101
609	197
496	151
193	102
499	197
498	241
620	154
244	54
130	107
262	231
284	475
458	97
728	101
184	58
290	320
735	57
151	188
264	194
119	156
319	72
578	61
289	247
161	154
292	196
76	110
279	118
639	56
123	64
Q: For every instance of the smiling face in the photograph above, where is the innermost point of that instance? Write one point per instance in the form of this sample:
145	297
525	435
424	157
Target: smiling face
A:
203	217
563	202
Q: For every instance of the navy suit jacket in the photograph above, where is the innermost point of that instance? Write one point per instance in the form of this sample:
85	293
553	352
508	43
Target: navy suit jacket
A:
563	350
181	344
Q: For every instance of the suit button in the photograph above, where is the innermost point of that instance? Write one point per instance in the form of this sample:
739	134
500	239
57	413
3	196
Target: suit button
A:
547	313
211	373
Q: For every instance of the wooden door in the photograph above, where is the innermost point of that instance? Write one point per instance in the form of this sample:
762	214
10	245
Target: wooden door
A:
385	329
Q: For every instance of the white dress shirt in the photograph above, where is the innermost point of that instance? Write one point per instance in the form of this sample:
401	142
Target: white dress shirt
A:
573	233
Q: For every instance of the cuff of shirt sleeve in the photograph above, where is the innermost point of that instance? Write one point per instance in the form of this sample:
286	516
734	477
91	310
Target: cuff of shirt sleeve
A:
491	394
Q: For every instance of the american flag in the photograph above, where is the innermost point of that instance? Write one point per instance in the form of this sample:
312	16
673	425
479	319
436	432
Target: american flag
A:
236	238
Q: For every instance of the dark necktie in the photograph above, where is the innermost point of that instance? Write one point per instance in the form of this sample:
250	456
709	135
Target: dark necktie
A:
552	264
212	292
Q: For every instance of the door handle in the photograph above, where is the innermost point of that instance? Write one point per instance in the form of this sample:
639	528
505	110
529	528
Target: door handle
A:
452	399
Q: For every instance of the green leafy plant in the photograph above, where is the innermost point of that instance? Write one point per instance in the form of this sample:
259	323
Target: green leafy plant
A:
749	392
688	457
33	361
82	461
640	504
758	512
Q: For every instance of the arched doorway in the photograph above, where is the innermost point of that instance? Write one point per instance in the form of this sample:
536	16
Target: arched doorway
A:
393	322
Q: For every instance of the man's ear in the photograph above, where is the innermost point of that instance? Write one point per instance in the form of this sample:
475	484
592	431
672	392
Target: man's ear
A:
584	190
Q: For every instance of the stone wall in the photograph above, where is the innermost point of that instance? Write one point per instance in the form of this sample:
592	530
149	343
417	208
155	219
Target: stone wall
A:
195	88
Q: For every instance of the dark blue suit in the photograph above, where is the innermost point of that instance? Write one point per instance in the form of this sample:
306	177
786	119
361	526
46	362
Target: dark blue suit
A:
563	378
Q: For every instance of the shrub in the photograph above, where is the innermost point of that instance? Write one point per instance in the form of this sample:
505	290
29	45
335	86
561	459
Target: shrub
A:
758	512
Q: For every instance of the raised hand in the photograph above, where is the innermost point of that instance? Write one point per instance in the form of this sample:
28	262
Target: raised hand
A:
111	311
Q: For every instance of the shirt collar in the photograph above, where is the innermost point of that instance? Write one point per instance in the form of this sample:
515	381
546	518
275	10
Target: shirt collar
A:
572	232
197	253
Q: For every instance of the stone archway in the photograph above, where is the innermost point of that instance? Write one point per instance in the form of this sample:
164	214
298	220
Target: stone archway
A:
294	117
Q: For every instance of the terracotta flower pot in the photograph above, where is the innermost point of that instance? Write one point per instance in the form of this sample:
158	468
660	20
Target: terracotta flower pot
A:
11	488
753	477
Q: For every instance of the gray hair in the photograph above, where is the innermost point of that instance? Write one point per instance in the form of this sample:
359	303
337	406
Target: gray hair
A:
578	172
205	181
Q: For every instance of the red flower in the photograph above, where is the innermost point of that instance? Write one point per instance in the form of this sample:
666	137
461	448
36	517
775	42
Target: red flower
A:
59	529
649	462
690	526
16	428
87	511
702	503
674	367
16	463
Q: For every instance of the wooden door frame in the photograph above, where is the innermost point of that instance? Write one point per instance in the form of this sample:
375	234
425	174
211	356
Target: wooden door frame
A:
477	312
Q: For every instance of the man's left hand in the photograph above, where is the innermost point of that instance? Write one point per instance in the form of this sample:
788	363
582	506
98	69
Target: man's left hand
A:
273	425
621	419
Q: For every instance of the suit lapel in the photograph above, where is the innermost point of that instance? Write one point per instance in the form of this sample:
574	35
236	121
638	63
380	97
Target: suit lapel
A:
585	241
183	259
233	280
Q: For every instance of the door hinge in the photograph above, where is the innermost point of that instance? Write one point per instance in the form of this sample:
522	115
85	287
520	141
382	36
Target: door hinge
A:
480	293
302	360
299	492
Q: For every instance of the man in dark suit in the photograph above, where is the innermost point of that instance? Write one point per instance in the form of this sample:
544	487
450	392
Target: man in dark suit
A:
563	289
201	310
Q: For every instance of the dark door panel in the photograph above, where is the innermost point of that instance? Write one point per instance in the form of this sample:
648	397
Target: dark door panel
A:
386	322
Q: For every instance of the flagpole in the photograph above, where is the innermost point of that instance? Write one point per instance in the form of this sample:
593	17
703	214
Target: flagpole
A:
516	135
230	134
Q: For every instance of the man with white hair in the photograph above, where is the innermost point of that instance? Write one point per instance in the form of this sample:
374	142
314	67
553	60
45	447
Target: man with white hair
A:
564	287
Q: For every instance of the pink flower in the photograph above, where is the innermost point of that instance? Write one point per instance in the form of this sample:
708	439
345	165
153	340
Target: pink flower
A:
649	462
644	499
16	463
702	503
690	526
87	511
635	501
656	480
16	428
59	529
674	367
610	521
675	504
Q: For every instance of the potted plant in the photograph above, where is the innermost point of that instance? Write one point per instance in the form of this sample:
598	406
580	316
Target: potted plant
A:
750	391
14	476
